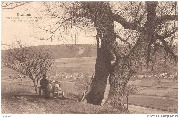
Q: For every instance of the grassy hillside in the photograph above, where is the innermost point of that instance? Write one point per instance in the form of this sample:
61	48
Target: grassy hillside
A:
67	50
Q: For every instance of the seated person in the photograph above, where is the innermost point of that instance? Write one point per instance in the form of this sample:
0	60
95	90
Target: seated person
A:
57	90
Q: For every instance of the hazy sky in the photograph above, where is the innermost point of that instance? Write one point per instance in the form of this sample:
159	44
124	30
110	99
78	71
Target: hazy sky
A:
24	28
16	25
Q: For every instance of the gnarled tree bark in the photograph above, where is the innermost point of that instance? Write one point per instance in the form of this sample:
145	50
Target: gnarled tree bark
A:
122	70
104	24
124	66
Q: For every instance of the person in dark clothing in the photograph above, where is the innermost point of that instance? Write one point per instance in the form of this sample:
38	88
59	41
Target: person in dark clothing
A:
43	86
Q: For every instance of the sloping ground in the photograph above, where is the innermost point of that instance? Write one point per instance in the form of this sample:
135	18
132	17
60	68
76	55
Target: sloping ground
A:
18	97
34	105
23	101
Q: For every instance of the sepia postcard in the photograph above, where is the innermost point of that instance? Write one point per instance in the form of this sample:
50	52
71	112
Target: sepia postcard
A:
89	57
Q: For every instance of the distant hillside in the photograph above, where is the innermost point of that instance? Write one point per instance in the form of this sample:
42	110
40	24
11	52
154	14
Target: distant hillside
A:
67	50
73	51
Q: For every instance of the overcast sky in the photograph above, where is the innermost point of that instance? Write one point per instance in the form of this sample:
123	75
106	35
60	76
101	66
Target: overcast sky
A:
17	27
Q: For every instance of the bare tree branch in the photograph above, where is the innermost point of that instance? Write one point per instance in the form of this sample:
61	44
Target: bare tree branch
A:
125	41
166	18
169	50
168	34
126	24
165	44
12	5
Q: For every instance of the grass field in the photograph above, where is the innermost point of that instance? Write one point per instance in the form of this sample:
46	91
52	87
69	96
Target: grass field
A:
74	73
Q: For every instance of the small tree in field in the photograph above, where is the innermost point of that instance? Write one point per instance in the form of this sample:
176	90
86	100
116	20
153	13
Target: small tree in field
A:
33	63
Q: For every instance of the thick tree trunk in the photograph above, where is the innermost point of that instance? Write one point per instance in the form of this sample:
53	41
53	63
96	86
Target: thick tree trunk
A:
121	72
125	65
105	30
119	77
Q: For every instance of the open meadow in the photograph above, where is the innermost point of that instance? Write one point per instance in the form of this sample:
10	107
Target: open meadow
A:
152	96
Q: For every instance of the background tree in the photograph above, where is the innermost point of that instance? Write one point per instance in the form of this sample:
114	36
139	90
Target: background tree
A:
30	62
